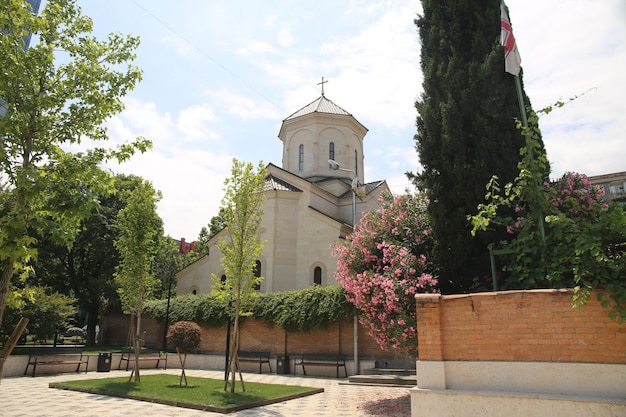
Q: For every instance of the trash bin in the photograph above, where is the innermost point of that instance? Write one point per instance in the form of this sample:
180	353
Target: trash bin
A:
104	362
282	365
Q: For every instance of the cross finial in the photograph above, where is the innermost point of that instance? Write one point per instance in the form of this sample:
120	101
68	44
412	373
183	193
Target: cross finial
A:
322	84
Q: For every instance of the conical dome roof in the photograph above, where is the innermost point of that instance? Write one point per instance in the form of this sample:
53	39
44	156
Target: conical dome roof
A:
320	105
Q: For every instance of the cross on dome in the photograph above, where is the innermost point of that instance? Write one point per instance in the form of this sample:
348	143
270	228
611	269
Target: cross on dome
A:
322	84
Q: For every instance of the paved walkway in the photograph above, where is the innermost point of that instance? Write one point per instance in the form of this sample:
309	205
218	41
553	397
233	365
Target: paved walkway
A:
27	396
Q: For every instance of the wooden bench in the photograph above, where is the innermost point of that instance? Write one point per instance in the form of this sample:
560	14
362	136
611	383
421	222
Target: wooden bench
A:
128	356
56	356
321	359
255	357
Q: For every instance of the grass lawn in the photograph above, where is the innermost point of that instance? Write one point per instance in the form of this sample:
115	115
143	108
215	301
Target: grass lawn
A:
201	393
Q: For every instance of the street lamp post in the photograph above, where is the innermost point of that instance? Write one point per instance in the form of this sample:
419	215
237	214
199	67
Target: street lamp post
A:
355	182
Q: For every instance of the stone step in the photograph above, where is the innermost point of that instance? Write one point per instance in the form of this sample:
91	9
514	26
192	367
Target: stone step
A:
396	380
389	371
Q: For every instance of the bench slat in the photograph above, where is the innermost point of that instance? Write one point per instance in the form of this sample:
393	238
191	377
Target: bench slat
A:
129	355
316	359
41	356
255	356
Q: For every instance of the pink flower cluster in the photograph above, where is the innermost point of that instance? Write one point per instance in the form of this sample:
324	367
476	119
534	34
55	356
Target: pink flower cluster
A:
383	264
574	196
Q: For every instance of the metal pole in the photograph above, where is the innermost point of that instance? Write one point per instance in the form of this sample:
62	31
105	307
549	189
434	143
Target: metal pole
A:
167	313
356	321
520	99
355	182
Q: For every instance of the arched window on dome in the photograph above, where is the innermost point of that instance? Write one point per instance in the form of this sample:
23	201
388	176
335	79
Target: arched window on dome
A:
331	152
301	158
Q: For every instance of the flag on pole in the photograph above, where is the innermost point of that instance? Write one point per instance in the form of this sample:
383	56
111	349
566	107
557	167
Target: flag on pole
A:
512	58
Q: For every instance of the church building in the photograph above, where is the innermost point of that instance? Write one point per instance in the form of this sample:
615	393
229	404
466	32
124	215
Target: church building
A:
312	201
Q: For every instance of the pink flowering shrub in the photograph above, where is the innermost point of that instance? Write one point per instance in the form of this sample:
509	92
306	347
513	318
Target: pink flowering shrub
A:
574	196
383	264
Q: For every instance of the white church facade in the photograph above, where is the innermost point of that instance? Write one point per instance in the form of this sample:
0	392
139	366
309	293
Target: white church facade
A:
310	203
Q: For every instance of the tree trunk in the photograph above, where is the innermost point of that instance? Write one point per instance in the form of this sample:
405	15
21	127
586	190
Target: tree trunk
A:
7	273
182	360
138	347
234	358
92	322
10	344
233	364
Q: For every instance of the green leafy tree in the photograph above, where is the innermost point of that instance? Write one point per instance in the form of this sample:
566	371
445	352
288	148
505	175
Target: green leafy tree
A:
140	228
465	129
47	311
58	92
168	261
217	223
202	247
243	213
86	268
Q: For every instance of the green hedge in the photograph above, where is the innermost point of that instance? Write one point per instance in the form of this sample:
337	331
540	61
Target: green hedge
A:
295	311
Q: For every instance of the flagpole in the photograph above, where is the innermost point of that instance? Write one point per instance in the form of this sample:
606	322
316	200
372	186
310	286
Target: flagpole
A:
520	98
522	106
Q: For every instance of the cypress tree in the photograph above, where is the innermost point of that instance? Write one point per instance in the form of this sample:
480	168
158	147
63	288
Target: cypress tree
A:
466	130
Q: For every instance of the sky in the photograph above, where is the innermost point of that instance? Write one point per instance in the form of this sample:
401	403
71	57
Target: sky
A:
220	77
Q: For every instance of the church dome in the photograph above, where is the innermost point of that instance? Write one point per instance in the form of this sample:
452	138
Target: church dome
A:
318	132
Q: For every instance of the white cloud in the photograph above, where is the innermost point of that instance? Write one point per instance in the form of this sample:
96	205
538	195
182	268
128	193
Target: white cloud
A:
378	69
244	108
255	46
194	124
285	38
143	119
183	164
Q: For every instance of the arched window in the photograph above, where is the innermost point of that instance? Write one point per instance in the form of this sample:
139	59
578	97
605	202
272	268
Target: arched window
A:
257	274
356	162
223	279
317	276
301	158
331	151
194	292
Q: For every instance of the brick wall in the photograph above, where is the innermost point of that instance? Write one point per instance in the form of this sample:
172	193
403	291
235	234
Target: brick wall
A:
115	330
257	335
537	325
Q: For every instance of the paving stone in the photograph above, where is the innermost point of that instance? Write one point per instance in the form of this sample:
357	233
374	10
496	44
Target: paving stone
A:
29	397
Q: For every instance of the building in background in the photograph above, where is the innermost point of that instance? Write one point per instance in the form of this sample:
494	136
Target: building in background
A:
614	186
310	203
